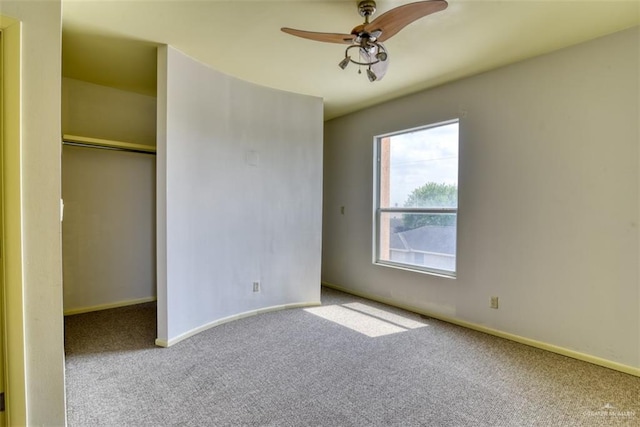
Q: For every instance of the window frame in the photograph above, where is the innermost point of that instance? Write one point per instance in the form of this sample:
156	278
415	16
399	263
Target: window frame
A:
379	211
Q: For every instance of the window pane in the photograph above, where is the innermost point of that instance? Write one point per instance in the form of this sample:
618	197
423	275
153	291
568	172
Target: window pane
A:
426	240
420	168
418	173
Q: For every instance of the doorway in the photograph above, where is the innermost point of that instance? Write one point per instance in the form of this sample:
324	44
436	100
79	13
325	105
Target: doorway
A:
12	363
2	328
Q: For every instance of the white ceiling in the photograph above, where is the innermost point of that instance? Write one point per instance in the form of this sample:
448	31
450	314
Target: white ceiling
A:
113	42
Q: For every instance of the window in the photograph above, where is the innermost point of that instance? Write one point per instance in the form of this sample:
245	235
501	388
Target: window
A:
416	203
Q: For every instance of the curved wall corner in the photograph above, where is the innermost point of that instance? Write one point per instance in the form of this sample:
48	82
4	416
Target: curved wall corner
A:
239	197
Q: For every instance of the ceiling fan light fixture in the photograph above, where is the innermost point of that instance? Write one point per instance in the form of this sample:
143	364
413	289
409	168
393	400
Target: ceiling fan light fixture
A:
371	53
367	38
371	75
343	64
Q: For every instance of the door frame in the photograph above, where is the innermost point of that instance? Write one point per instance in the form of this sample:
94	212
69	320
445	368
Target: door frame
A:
11	281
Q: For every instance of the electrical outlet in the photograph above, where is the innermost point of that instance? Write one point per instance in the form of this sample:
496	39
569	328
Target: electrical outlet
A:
256	286
494	302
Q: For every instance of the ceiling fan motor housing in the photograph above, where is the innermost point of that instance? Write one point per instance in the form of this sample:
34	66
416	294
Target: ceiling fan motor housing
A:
367	8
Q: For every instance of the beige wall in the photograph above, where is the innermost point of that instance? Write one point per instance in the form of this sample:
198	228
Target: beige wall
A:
95	111
548	202
41	245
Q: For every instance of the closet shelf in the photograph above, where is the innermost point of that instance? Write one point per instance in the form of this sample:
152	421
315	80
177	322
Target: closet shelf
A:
106	143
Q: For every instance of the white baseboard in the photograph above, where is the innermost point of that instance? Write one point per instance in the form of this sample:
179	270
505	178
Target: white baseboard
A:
168	343
522	340
81	310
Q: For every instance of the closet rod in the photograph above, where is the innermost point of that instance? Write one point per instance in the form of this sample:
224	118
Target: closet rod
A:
105	144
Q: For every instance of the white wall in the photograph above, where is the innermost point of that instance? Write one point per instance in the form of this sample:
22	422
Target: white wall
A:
109	225
109	228
548	216
41	245
97	111
239	196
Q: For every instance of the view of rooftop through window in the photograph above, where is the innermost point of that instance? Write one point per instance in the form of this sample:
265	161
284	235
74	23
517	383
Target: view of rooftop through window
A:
418	198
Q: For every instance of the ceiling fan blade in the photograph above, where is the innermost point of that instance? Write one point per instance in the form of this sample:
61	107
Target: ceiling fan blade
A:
396	19
321	37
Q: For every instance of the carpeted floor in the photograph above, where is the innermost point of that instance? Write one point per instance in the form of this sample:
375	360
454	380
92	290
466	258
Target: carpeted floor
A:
350	362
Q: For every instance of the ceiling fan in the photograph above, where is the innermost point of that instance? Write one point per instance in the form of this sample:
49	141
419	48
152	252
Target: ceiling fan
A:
367	38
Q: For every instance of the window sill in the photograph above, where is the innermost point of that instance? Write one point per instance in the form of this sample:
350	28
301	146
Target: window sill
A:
416	269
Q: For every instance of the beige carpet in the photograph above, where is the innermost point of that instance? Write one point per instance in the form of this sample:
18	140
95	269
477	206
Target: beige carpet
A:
350	362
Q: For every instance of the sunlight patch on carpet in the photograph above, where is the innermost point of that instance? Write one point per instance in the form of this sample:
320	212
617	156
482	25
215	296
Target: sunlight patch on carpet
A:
366	320
405	322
